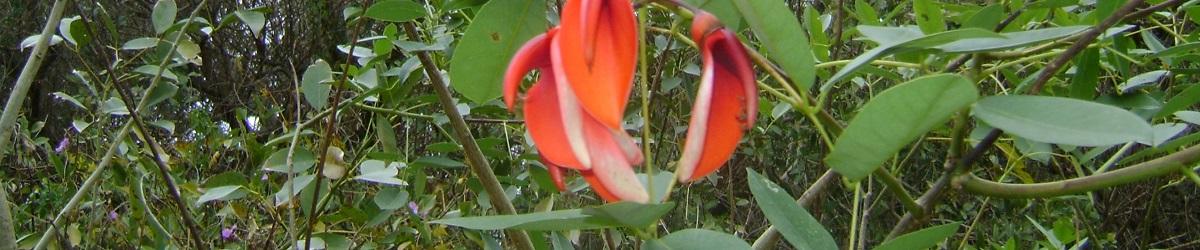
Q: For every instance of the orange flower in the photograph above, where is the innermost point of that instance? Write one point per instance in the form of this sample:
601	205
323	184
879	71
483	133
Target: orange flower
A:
726	103
597	49
568	136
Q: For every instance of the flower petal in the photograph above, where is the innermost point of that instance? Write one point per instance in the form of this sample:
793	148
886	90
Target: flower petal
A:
599	54
558	141
611	166
555	173
534	54
726	105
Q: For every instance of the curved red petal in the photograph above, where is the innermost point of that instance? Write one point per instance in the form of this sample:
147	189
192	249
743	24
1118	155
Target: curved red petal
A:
544	121
555	173
534	54
725	107
598	187
598	57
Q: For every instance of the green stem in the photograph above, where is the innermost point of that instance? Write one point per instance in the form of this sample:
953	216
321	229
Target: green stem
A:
644	80
855	211
1142	171
1191	175
896	188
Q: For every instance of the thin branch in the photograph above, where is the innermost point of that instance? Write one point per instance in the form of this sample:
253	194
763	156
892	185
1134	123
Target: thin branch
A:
1169	164
478	163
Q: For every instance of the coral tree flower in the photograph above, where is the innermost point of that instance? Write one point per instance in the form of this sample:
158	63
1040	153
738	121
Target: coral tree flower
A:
726	102
597	49
566	134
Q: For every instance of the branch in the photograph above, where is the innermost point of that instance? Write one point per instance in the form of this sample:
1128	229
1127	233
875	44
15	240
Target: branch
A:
1168	164
479	164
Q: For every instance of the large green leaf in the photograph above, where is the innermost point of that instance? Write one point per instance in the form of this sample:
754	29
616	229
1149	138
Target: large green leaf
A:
793	222
1062	120
312	84
573	219
895	118
163	15
899	39
395	10
74	30
483	54
631	214
380	172
1087	75
779	31
160	93
1181	101
695	238
723	9
253	19
922	239
1142	80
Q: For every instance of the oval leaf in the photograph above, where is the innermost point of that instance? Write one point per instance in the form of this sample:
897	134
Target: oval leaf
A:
220	194
163	15
1062	120
774	24
891	44
301	161
395	10
794	222
697	239
312	84
482	56
895	118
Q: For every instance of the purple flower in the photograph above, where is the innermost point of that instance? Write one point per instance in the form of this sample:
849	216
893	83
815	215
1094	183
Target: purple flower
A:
414	209
112	215
62	145
227	233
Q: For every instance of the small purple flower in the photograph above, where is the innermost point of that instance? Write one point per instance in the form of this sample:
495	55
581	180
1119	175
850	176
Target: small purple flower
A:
112	215
227	233
62	145
264	177
414	209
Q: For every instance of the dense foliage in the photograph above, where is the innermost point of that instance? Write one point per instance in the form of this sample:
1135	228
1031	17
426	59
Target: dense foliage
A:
379	124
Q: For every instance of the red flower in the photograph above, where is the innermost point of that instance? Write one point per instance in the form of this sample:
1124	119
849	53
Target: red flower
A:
726	103
597	47
568	136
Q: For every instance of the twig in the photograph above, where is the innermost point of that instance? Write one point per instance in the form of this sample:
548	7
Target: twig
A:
1169	164
478	163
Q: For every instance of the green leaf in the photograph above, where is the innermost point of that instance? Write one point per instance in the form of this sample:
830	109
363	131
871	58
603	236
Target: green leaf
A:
895	118
986	18
395	11
70	99
724	10
302	160
163	15
1181	101
560	220
865	13
631	214
794	222
922	239
1087	75
443	147
1178	50
151	70
438	162
775	25
1062	120
391	198
114	106
1188	116
253	19
929	16
1010	40
140	43
1164	132
482	55
297	185
312	84
160	93
1142	80
1046	4
222	193
896	40
74	31
694	238
385	133
380	172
